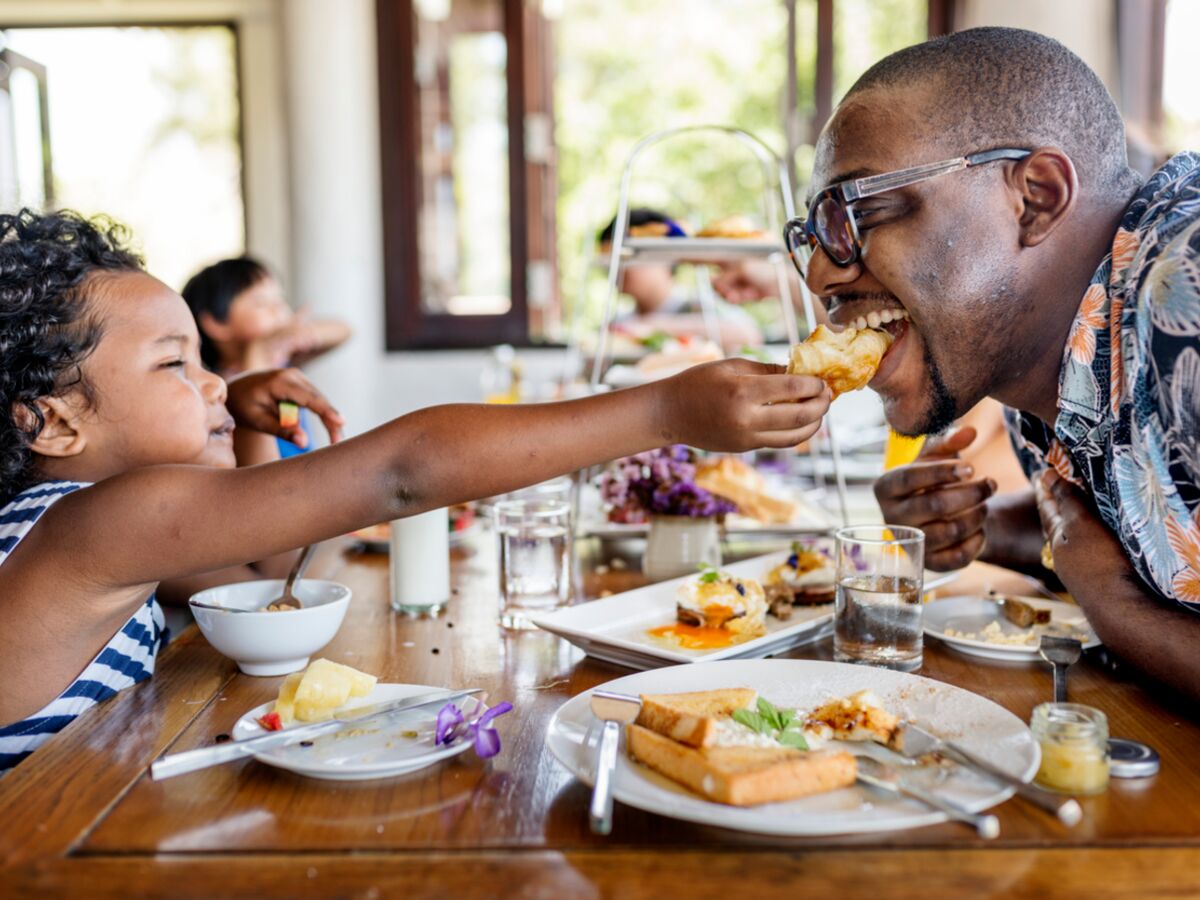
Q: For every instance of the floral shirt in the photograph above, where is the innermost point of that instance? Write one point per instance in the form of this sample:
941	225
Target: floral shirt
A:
1128	425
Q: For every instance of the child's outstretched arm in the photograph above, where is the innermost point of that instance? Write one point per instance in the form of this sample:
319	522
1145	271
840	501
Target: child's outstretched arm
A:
200	519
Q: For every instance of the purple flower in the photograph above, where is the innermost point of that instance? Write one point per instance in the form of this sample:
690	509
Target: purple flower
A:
660	481
453	724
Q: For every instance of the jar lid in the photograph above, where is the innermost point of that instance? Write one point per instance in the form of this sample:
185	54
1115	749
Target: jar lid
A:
1131	759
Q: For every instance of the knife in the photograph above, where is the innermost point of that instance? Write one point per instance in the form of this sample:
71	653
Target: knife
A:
986	826
614	710
203	757
913	741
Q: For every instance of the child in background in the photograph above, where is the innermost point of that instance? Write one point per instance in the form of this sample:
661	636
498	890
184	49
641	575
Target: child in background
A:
246	324
107	405
659	307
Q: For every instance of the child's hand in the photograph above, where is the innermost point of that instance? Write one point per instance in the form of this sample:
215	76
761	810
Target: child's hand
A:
737	405
254	401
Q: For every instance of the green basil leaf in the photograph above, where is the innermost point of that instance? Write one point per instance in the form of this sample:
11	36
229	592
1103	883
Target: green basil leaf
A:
751	720
793	739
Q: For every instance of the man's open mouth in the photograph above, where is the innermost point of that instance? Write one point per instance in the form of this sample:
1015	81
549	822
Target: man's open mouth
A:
889	320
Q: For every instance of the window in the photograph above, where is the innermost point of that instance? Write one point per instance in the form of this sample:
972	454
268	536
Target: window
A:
154	142
505	124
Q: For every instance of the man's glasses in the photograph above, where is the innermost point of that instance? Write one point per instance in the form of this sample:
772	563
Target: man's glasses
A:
831	224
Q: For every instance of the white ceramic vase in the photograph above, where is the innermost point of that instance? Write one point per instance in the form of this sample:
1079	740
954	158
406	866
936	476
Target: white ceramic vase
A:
677	545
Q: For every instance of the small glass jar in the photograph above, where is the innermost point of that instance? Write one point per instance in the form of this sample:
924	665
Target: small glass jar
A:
1074	742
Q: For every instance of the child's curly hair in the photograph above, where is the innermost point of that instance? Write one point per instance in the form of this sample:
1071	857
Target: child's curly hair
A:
45	332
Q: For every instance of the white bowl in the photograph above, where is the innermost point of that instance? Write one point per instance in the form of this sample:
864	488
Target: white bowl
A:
271	643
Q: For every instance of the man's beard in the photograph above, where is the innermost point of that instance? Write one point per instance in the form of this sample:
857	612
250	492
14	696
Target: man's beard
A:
943	409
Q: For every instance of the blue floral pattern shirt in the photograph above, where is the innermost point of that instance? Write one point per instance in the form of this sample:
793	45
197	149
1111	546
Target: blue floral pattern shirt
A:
1128	424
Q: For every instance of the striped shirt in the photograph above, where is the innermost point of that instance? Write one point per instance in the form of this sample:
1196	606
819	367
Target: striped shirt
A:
126	659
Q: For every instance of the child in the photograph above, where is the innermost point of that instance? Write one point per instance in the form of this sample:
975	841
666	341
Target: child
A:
658	306
247	448
107	402
245	323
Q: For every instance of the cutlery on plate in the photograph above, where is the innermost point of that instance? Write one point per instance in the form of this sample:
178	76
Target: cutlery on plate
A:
614	710
913	741
288	599
1061	653
204	757
986	825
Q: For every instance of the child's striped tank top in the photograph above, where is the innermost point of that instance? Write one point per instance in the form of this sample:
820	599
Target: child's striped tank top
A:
126	659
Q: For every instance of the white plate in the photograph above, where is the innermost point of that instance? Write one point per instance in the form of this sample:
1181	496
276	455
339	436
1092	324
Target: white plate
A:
615	628
977	723
974	613
381	751
713	249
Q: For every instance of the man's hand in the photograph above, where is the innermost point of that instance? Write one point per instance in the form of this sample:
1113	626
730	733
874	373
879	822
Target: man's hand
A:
254	400
1086	553
736	405
935	494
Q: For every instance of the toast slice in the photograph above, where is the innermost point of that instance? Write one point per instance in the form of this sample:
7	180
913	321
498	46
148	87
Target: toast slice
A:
691	718
743	776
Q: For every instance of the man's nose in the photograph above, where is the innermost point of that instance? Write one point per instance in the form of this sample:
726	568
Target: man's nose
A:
823	277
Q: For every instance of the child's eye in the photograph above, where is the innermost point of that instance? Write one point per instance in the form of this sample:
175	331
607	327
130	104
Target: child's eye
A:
173	364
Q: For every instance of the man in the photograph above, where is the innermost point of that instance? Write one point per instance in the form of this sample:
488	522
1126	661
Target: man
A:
1046	275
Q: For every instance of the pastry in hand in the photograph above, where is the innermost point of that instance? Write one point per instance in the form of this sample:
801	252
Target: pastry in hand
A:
845	360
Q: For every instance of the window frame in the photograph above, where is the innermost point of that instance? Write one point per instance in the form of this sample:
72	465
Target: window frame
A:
407	325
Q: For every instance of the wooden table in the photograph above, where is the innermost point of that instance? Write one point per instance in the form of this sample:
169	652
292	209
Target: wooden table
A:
82	817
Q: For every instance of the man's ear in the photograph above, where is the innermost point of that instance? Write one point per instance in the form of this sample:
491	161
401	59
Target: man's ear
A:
60	437
1048	188
213	327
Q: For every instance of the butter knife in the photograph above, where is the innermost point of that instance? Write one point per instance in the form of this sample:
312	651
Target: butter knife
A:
204	757
614	710
914	741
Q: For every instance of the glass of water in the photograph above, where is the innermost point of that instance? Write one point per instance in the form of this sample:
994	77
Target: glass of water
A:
535	558
878	613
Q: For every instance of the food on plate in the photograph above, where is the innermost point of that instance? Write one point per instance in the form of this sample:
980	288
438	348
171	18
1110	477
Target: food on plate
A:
692	718
678	353
1020	613
729	477
314	694
994	633
739	226
657	230
806	578
701	740
716	609
845	360
859	717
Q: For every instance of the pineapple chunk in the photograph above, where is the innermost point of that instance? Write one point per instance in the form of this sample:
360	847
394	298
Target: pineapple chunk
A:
314	694
286	704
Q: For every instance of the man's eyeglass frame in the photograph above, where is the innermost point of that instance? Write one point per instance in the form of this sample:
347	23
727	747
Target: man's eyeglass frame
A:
831	224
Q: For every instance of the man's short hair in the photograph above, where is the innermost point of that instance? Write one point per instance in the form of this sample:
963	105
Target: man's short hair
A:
1008	87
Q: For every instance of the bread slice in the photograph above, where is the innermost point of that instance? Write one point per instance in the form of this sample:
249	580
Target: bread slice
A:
691	718
743	776
732	479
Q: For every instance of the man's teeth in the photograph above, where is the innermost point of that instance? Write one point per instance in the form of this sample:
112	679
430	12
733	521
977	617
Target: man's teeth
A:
877	318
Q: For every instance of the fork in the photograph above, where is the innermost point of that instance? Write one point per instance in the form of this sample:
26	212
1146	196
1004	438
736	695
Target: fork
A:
986	825
1061	653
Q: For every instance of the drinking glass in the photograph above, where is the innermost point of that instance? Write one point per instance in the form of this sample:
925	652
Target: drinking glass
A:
878	612
535	558
419	563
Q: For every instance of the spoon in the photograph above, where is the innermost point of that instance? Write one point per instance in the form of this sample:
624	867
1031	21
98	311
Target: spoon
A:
289	600
1060	652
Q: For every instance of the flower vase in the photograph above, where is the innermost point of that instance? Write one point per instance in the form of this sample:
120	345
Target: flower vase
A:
677	545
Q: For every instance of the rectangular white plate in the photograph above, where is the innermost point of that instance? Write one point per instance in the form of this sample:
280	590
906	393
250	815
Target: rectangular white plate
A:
615	628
